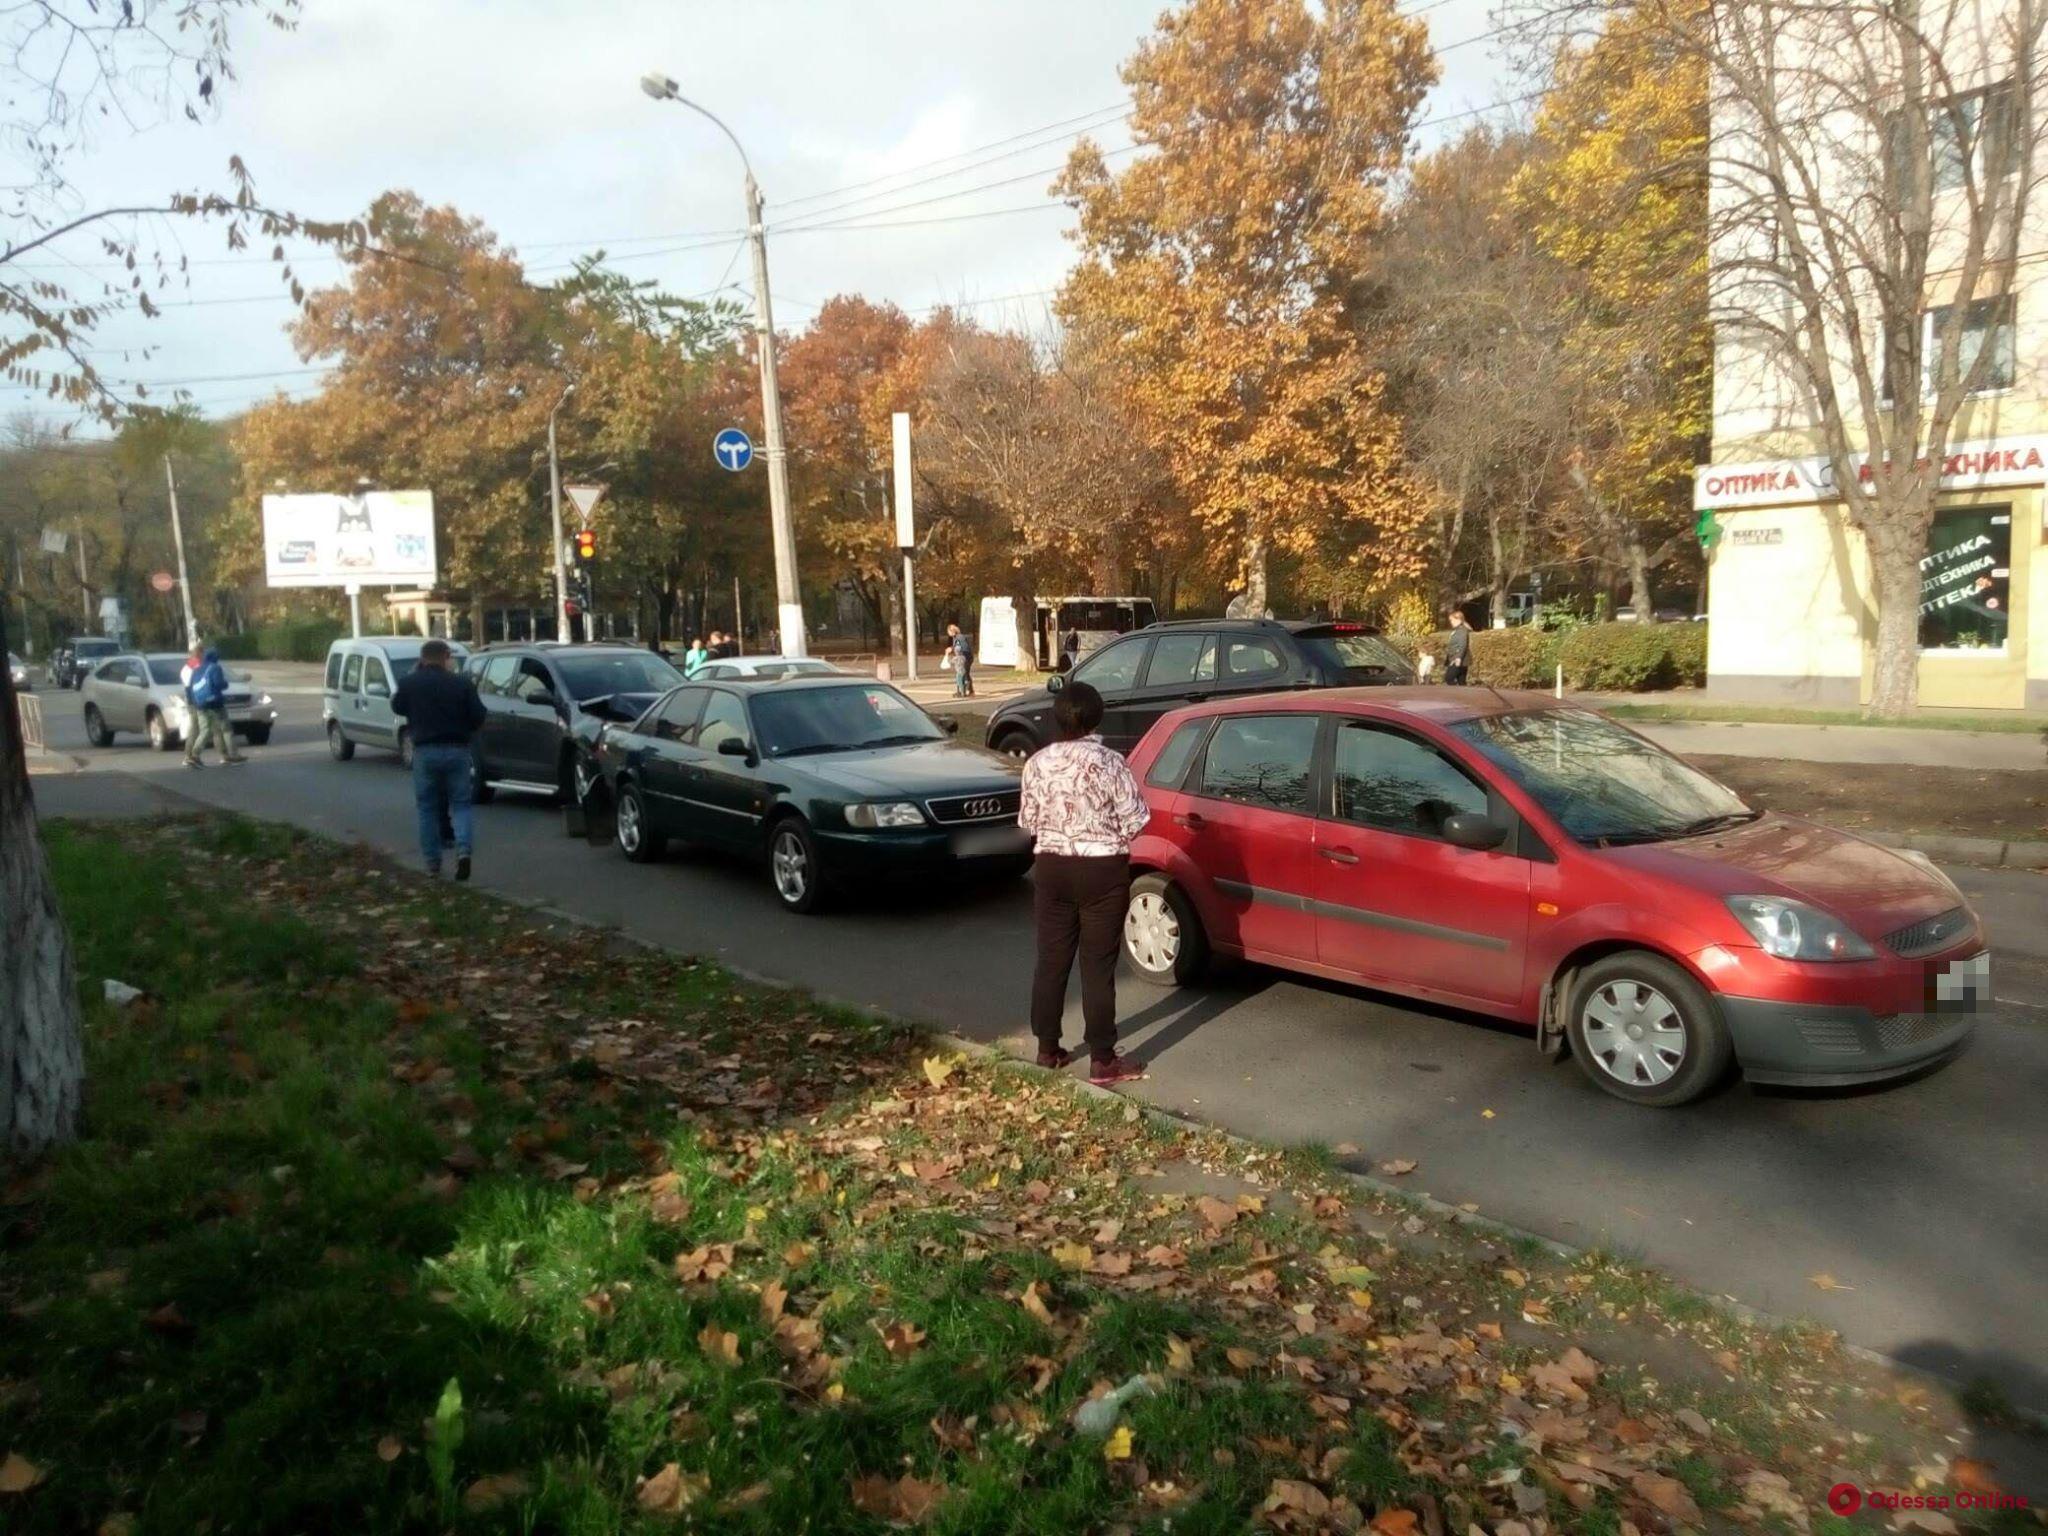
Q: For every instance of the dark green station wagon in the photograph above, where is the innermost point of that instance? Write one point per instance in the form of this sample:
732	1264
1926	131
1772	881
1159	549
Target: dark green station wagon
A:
830	781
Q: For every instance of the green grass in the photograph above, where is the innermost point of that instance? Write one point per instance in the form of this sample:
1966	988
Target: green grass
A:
1768	714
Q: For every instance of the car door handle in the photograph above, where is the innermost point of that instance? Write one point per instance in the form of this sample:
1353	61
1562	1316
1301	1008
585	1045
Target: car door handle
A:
1194	821
1338	855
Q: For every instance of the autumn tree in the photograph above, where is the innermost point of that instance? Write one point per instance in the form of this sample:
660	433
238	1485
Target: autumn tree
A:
1616	192
1225	265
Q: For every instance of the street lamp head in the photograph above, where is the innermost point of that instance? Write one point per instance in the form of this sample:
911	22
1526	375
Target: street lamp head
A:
658	85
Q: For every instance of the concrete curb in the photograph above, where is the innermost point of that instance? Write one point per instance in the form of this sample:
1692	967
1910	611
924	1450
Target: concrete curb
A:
1988	852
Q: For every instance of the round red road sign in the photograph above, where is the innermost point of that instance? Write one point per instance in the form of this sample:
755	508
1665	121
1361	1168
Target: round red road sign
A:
162	581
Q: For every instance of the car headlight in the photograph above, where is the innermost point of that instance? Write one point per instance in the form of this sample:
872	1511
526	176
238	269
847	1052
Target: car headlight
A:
1792	930
263	701
891	813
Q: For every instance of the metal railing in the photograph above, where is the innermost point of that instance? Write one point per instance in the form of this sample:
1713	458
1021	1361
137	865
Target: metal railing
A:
30	709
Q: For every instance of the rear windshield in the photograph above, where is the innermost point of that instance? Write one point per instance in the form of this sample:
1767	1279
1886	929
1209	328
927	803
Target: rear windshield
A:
401	665
164	670
1358	657
93	647
598	676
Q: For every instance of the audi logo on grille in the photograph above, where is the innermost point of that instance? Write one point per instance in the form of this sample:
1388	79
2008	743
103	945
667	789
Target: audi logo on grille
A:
974	810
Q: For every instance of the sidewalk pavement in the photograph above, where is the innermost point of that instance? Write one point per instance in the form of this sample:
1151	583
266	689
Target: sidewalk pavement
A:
1846	743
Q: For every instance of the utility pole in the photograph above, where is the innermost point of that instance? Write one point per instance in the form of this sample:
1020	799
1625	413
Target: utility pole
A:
178	540
906	534
555	513
788	602
84	593
739	633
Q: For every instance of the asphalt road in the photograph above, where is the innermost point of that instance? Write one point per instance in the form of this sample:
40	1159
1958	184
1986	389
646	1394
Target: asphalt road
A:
1926	1202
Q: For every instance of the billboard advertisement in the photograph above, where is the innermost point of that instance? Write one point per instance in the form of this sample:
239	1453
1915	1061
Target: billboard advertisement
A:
373	539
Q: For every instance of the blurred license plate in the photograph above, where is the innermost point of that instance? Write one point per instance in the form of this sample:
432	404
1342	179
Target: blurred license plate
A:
1962	986
980	842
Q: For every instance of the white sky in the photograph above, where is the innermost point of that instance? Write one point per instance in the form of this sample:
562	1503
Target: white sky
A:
527	114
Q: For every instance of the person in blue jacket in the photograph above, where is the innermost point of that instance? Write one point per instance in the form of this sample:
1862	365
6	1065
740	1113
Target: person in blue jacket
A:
206	708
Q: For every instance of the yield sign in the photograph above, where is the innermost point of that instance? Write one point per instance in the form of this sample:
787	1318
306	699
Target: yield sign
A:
584	498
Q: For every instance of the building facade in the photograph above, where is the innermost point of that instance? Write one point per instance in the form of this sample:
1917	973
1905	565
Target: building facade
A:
1791	604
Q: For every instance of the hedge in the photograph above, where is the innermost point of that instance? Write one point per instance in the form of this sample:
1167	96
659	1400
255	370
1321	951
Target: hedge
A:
295	640
1603	658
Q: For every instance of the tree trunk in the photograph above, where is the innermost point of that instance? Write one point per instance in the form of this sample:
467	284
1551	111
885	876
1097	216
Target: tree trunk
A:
1255	575
42	1064
1105	571
1639	583
1497	564
1895	576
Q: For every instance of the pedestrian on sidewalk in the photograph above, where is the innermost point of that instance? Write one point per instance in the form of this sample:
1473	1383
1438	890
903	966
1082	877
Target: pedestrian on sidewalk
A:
960	657
206	707
1084	807
1457	649
442	712
695	655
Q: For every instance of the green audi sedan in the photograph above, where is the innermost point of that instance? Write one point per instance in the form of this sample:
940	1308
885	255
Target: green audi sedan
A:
830	781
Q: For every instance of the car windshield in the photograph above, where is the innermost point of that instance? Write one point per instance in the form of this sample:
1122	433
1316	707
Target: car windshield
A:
839	720
597	675
93	648
1359	656
1601	783
165	669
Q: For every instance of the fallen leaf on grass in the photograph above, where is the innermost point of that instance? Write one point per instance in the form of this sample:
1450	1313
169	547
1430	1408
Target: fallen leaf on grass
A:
1397	1166
390	1448
497	1488
710	1262
1486	1114
1180	1359
1033	1301
670	1491
719	1345
902	1339
1668	1495
168	1321
1118	1446
1346	1149
1214	1213
1932	1521
18	1474
774	1297
1827	1282
1072	1255
1975	1476
938	1068
1770	1493
1395	1522
1241	1359
1289	1496
907	1501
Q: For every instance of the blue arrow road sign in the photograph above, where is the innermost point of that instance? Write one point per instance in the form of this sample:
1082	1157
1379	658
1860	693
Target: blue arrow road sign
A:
733	449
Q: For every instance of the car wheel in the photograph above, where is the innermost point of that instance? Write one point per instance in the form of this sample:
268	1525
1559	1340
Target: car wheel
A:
405	749
258	735
1017	744
793	866
96	730
339	747
630	830
1163	934
159	733
1645	1031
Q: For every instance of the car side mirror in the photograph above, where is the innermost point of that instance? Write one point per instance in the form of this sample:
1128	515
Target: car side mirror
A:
732	746
949	725
1056	682
1473	829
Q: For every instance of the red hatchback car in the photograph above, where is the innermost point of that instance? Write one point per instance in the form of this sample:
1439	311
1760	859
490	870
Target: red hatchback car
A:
1520	857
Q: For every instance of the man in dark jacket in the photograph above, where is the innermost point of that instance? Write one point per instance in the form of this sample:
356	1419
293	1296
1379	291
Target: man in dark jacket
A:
206	707
1458	649
442	714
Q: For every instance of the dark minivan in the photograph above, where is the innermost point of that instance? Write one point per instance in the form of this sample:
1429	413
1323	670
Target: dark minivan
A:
1164	667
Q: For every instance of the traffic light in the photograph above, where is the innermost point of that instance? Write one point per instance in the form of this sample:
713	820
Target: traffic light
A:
586	545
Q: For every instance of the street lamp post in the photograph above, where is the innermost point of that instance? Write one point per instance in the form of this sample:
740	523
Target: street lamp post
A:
788	603
555	512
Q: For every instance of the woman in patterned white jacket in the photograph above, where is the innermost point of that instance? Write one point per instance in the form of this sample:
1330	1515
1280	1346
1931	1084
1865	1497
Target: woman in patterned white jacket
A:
1083	805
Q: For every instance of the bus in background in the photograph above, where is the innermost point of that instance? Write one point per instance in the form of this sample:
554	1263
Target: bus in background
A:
1071	627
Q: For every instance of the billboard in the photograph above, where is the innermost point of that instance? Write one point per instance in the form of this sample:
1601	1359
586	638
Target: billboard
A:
374	539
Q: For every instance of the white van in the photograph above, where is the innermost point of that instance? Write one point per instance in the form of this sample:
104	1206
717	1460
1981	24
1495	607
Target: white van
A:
355	701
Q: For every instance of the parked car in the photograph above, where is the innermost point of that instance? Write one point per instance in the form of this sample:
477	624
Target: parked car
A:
143	693
71	661
764	667
1143	675
826	780
17	674
544	704
1508	854
355	697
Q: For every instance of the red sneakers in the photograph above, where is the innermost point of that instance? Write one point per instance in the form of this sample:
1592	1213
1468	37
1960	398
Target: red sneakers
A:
1053	1060
1108	1071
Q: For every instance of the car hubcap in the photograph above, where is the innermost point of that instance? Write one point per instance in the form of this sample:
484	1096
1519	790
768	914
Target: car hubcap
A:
156	730
629	823
1016	748
1152	931
791	868
582	779
1634	1033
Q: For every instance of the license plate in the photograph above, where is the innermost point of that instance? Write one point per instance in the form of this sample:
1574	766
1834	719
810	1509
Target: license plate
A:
1962	986
981	842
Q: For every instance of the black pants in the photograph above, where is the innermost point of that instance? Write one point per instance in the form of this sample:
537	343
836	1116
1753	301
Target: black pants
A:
1078	904
1454	673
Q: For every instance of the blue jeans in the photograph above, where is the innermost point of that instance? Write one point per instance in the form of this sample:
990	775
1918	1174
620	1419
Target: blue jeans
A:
443	779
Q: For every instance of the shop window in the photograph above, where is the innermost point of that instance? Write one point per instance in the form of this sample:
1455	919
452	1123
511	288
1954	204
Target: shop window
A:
1966	581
